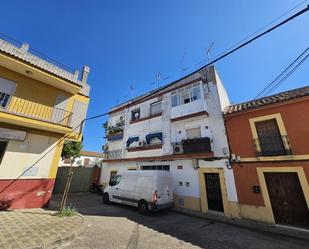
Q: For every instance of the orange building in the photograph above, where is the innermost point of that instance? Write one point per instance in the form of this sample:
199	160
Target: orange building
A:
269	143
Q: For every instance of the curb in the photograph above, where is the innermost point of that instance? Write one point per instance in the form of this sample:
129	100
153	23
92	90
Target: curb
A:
295	233
62	240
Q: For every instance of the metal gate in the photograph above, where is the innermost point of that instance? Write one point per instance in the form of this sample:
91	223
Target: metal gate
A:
287	199
213	190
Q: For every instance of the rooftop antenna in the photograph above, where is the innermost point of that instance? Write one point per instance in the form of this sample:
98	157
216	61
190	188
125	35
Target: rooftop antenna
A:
207	51
158	78
132	90
182	68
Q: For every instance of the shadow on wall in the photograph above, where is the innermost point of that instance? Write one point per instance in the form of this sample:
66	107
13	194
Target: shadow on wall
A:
5	204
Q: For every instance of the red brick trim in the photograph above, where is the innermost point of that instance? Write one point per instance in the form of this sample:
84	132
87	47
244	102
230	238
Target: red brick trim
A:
166	158
143	119
190	116
149	147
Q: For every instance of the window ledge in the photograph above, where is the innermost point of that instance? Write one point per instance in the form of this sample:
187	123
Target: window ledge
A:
149	147
143	119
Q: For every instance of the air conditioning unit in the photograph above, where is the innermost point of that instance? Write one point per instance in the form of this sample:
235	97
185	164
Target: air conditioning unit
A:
141	143
178	149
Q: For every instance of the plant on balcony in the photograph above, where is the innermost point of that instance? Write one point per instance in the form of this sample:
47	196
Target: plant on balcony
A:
110	130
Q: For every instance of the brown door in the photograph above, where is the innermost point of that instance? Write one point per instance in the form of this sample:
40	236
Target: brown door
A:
287	199
213	190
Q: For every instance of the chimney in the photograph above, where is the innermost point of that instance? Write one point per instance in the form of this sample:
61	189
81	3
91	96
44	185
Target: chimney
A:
85	73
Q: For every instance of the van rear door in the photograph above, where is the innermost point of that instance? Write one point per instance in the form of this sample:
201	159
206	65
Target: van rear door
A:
165	189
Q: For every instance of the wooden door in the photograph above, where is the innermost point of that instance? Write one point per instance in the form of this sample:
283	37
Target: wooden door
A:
287	199
213	190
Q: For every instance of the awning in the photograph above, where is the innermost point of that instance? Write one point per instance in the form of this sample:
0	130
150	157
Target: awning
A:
132	140
154	135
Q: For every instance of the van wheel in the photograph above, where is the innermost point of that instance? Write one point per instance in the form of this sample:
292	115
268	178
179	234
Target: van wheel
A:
143	207
106	198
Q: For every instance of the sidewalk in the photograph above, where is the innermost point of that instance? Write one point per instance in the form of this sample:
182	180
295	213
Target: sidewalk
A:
292	232
37	228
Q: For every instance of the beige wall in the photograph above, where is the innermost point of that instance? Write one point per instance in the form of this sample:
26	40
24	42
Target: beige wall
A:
20	155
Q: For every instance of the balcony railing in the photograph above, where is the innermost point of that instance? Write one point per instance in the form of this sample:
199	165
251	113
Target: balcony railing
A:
273	145
192	146
112	154
37	111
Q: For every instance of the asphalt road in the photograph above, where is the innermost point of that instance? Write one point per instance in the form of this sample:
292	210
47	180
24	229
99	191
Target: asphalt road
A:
115	226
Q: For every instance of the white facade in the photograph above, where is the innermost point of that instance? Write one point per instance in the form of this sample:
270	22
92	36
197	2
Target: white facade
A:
84	160
191	111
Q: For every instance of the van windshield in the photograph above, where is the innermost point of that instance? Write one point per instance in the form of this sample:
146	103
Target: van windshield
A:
115	180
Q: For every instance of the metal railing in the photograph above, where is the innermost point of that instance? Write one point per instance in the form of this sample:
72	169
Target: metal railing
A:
112	154
273	145
29	109
191	146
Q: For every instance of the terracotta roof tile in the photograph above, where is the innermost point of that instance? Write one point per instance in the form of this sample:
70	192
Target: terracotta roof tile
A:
279	97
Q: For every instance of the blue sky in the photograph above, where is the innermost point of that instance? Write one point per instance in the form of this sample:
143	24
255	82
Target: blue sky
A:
128	42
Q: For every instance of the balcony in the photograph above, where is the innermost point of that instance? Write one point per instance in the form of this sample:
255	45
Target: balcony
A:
273	145
114	132
33	110
193	146
112	154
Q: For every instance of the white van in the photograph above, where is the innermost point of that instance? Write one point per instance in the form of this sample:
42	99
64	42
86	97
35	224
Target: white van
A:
148	190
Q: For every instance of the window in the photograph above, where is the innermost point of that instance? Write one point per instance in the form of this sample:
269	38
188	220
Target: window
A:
3	145
193	133
136	115
115	180
156	108
156	167
112	175
270	140
186	95
6	90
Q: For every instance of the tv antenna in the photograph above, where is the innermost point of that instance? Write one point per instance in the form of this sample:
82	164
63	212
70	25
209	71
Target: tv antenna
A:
207	50
182	68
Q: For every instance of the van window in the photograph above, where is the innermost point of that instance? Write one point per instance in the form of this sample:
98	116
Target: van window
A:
115	180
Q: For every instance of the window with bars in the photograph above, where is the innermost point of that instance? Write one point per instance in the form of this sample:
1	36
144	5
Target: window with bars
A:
270	141
186	95
156	167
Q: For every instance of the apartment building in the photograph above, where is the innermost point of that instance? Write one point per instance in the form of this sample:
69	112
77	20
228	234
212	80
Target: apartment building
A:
40	103
270	157
179	128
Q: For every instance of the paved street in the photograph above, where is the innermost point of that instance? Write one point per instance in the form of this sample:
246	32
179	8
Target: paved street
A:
34	228
116	226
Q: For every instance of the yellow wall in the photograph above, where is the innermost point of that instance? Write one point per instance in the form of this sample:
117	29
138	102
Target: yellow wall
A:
32	90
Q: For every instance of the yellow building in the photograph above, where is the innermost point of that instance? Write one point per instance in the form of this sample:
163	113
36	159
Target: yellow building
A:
41	103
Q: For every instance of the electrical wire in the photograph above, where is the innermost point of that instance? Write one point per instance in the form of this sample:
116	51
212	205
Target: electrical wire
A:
291	68
260	29
161	88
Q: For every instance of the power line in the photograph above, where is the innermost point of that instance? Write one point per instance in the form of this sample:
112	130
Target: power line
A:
260	29
233	50
291	68
288	75
161	88
52	148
